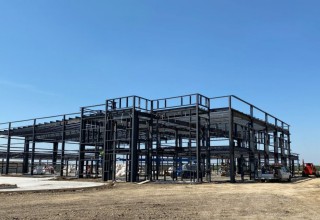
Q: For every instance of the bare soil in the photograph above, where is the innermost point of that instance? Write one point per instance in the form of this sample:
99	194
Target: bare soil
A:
296	200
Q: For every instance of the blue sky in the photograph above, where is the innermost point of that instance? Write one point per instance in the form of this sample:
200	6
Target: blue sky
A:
56	56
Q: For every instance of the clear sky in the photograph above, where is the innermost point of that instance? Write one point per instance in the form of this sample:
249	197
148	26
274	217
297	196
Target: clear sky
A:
56	56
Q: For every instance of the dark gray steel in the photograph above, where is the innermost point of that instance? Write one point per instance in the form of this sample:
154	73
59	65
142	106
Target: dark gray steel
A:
55	154
133	147
63	143
8	150
33	145
26	156
231	143
81	146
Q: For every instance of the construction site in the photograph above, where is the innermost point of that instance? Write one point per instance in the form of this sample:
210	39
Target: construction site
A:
182	138
135	158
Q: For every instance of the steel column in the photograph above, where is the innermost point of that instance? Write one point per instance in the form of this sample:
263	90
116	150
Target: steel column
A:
175	157
114	145
33	146
8	149
106	140
198	144
266	142
158	143
133	146
231	143
81	145
54	154
2	162
104	154
149	148
282	150
63	143
252	147
67	165
291	163
26	156
275	146
207	137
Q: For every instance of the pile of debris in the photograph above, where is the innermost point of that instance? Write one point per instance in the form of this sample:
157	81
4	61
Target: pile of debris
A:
8	186
120	170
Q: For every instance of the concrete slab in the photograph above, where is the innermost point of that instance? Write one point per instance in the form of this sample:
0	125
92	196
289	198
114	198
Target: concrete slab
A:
35	184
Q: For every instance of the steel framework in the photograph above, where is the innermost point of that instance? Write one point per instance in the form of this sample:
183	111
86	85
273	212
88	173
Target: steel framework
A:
149	136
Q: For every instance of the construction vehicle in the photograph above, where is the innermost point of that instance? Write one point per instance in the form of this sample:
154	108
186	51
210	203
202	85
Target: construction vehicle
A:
310	169
185	172
275	172
39	170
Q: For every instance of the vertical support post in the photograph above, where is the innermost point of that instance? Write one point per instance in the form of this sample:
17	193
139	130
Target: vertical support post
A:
217	166
97	160
252	150
127	173
86	164
2	162
275	143
33	145
180	148
190	141
149	145
158	151
105	139
8	149
25	164
134	144
54	154
266	142
281	146
207	137
198	144
76	165
175	157
63	143
91	168
291	163
282	150
114	144
231	142
109	165
67	166
81	145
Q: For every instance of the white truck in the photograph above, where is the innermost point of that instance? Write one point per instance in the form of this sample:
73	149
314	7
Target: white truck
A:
275	172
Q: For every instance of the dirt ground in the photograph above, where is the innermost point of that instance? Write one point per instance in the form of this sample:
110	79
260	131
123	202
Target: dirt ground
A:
296	200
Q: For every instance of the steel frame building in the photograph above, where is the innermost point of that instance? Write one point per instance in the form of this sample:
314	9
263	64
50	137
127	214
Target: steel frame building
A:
145	134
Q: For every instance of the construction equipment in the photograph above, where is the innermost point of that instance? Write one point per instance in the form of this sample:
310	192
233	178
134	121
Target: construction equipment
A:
275	172
310	169
188	170
39	170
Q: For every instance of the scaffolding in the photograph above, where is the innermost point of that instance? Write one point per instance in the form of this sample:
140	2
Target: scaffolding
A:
182	136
